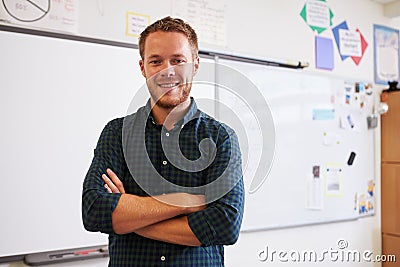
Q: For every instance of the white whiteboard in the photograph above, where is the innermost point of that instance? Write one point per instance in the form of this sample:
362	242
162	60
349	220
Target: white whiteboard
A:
301	142
57	95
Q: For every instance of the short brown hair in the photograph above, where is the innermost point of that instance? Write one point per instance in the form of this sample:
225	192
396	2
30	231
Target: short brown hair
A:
169	24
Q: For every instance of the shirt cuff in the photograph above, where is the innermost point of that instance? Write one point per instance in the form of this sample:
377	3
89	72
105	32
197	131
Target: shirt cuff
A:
200	227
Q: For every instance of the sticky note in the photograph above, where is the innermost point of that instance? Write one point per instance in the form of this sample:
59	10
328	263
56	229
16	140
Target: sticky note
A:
324	53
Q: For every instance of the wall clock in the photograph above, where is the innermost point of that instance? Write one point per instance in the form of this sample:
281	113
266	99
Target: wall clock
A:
27	10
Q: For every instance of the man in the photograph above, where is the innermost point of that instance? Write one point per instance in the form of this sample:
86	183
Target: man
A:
160	209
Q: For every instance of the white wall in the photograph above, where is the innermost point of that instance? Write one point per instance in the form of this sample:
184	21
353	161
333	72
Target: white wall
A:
274	29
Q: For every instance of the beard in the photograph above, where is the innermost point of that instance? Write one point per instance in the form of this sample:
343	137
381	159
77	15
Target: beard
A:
171	98
171	87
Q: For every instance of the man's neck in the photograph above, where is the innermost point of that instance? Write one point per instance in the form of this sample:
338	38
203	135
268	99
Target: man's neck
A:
169	116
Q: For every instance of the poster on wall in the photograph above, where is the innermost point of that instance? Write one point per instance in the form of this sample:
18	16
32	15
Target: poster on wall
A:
207	17
350	43
56	15
386	54
317	14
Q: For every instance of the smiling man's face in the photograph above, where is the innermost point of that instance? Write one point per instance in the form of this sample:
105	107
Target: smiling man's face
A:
168	66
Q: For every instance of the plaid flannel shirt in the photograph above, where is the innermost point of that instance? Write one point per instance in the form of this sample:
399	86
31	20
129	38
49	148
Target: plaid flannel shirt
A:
216	226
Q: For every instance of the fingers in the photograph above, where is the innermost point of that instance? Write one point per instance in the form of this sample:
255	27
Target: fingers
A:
108	188
112	183
117	182
109	185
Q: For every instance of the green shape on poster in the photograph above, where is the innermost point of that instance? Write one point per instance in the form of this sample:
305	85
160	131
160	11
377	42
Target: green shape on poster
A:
303	14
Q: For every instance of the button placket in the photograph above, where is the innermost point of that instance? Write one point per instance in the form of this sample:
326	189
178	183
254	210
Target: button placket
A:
164	162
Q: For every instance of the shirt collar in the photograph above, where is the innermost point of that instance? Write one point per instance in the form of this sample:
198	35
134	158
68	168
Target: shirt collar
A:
190	114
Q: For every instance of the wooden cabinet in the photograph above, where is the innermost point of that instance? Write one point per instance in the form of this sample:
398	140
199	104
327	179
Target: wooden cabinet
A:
390	198
390	246
390	131
390	177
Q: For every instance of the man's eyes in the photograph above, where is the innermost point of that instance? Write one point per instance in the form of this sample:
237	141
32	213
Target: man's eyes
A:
179	61
174	61
155	62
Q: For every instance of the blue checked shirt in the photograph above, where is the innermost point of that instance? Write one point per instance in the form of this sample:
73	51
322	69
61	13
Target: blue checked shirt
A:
215	226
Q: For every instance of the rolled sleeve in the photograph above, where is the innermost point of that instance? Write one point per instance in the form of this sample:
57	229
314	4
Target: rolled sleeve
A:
97	203
220	222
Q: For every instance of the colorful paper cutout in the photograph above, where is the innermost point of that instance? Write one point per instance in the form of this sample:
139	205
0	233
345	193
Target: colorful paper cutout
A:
324	58
335	31
317	15
364	44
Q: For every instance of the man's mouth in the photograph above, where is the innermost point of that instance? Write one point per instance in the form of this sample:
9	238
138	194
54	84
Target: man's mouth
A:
169	85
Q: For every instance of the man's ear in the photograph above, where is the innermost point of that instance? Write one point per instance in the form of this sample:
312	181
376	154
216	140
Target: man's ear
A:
141	64
196	63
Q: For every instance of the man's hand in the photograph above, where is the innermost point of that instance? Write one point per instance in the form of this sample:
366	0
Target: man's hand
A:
112	183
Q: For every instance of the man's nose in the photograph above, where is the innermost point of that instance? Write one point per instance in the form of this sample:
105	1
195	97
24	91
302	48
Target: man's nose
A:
169	70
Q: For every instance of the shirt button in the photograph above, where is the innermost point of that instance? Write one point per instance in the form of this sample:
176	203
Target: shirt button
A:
167	134
164	162
162	258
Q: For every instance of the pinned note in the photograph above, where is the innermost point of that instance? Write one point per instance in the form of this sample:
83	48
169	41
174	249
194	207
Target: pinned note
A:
333	184
323	114
136	23
315	190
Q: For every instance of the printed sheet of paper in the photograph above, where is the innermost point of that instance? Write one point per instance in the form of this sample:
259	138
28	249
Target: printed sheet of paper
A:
318	14
315	190
57	15
350	43
136	23
386	54
206	16
333	179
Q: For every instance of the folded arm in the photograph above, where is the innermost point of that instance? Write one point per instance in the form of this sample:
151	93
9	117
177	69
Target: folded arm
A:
119	212
175	230
220	222
154	217
135	212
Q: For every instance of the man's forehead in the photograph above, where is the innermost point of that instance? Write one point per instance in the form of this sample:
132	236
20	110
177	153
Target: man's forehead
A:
161	56
171	44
